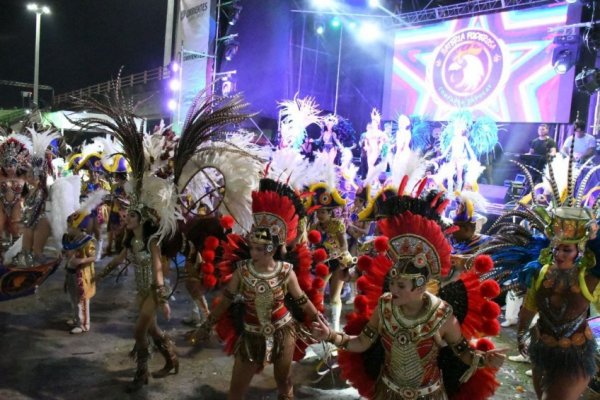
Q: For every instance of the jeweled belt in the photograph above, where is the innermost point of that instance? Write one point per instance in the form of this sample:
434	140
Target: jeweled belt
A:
411	392
577	339
268	329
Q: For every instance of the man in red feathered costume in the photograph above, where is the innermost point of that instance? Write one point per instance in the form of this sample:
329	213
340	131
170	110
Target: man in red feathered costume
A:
399	329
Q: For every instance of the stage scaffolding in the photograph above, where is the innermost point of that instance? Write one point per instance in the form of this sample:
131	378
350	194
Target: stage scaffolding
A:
465	9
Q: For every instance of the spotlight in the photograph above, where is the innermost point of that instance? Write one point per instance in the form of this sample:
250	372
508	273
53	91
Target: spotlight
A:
369	32
335	22
235	14
172	105
174	85
231	49
175	66
588	80
566	53
571	1
374	3
319	28
352	25
562	61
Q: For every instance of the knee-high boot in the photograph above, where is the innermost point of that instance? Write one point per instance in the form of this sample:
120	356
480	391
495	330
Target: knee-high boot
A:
141	355
164	344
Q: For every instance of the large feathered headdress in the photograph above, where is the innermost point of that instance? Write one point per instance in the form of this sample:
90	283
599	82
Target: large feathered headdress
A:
159	198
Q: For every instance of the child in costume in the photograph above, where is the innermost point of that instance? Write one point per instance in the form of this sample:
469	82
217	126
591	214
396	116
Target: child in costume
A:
273	293
333	239
80	253
400	327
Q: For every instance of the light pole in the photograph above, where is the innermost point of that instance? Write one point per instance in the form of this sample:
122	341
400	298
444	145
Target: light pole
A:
38	10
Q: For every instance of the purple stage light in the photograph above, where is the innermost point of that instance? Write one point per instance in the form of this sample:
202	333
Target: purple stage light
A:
172	105
174	85
175	66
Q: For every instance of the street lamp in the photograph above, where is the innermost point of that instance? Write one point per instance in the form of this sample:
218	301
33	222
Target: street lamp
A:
38	10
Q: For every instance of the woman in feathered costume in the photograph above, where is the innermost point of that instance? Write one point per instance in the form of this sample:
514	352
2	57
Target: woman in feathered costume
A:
272	291
398	325
14	155
155	208
562	347
36	228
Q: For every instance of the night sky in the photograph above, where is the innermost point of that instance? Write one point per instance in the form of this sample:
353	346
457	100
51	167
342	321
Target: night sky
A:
83	42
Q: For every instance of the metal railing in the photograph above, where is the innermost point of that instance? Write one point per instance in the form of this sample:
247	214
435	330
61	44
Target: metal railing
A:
141	78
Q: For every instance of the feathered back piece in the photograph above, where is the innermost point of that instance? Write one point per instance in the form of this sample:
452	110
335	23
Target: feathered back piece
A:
63	204
153	198
207	118
41	159
296	115
275	218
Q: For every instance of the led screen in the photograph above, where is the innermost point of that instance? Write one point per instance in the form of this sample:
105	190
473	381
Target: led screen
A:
499	65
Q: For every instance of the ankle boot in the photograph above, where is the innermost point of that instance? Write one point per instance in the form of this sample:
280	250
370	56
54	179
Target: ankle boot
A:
164	344
140	379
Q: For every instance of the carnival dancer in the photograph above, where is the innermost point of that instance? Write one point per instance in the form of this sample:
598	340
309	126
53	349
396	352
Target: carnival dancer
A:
92	163
36	228
374	141
80	252
155	208
14	152
463	141
333	239
328	140
296	115
401	327
270	332
562	348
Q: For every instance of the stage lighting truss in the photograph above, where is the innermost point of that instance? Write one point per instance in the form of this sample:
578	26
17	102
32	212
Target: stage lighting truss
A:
588	80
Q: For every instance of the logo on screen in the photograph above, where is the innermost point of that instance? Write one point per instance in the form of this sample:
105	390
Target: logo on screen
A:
468	68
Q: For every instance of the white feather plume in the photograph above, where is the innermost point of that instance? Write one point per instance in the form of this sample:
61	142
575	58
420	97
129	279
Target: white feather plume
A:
326	170
154	145
288	165
296	115
64	196
161	196
40	141
240	172
409	163
473	169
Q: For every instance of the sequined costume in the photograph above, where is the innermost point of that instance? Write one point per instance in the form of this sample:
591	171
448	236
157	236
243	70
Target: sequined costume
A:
411	367
143	269
34	207
561	341
330	232
14	186
267	321
80	281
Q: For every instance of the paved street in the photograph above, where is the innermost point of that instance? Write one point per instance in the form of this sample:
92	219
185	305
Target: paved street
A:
41	360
